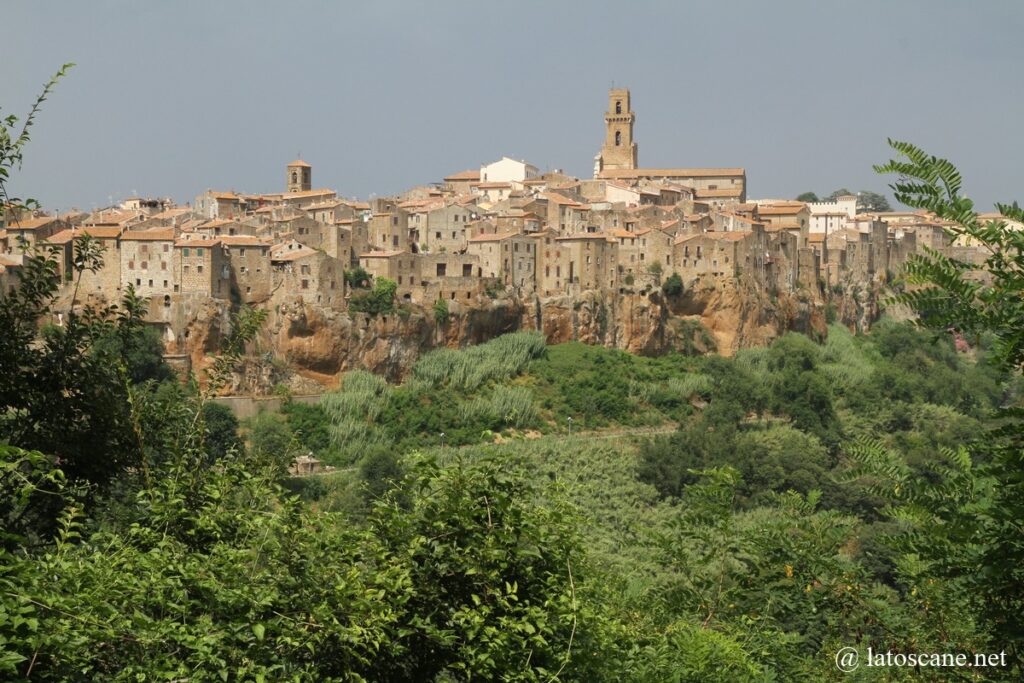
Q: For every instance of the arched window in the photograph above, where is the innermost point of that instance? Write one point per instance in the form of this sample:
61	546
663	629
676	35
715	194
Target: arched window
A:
618	107
618	138
295	177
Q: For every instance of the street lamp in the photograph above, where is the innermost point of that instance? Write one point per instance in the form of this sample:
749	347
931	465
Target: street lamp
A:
569	420
442	439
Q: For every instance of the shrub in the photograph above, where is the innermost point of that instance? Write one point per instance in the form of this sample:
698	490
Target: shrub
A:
673	285
357	278
441	311
380	299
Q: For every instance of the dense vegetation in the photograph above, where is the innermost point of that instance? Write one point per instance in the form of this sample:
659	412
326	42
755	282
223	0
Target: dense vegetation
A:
804	498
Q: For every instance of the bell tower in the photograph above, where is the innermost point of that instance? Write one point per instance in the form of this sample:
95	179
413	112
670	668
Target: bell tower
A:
619	150
300	176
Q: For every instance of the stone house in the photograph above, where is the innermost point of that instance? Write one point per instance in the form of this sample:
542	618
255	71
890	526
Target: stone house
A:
104	282
552	263
711	253
592	261
461	182
446	227
309	274
29	231
508	256
390	230
401	266
565	215
202	267
147	263
251	276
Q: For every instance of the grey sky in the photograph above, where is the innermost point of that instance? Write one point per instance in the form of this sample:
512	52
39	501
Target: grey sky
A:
171	98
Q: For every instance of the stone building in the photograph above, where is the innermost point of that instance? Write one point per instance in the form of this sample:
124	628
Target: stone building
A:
311	275
251	277
300	176
619	150
460	183
202	267
105	282
445	228
147	263
28	231
592	261
508	256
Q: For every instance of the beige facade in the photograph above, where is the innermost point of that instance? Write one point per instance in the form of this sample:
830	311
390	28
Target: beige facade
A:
619	151
510	257
147	263
202	268
592	261
300	176
251	276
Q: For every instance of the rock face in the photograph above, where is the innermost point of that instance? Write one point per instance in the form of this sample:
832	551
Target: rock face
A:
307	348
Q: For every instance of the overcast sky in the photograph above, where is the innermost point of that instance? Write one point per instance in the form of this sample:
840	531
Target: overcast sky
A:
172	98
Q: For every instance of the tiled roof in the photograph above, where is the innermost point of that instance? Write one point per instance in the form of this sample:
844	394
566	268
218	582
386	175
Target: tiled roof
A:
671	172
493	238
166	234
300	162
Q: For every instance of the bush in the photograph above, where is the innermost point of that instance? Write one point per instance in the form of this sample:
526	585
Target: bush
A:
380	299
357	278
673	285
441	311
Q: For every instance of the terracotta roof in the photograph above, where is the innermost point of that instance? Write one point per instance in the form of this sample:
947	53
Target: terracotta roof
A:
493	237
561	199
223	195
300	162
381	254
31	223
166	234
780	209
583	236
282	252
469	174
816	237
671	172
307	193
196	242
737	217
244	241
721	192
6	260
621	233
730	236
492	185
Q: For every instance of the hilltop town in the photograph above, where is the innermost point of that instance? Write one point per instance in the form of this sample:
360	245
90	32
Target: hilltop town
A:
499	231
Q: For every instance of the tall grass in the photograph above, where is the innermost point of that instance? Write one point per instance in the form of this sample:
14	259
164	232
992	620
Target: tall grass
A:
843	359
509	406
353	411
468	369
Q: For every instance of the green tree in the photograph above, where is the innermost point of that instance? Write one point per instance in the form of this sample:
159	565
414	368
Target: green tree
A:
221	431
673	285
380	299
966	519
441	311
807	197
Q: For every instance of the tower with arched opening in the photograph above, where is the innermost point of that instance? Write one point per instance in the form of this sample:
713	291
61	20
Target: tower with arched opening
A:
300	176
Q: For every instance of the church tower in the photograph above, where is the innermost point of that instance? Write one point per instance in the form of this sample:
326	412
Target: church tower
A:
619	150
300	176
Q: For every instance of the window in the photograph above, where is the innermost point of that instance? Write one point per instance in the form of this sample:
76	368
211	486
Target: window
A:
150	283
199	251
163	265
138	282
166	248
241	252
305	284
186	270
242	269
618	138
131	265
248	290
199	269
437	235
145	265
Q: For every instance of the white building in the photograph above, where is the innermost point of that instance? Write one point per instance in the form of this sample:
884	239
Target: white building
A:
507	170
827	217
